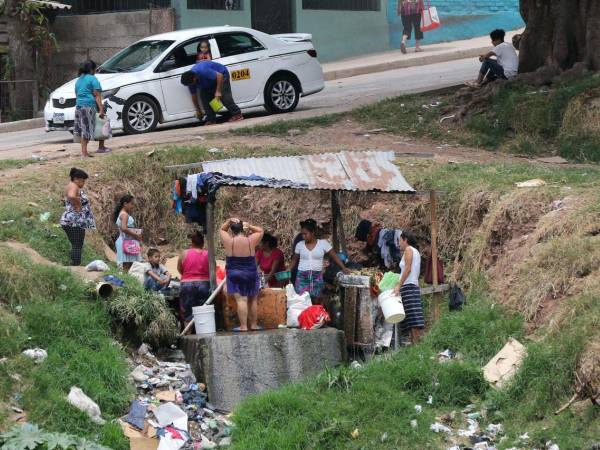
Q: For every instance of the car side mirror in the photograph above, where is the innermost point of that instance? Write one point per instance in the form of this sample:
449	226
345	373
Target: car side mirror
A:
167	65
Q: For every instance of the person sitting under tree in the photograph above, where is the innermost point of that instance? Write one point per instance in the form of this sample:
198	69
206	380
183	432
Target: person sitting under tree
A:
504	67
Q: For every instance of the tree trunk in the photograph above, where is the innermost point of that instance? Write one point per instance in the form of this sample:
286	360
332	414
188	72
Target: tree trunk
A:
560	33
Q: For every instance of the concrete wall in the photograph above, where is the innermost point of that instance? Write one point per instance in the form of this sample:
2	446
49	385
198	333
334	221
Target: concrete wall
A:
196	18
99	36
342	34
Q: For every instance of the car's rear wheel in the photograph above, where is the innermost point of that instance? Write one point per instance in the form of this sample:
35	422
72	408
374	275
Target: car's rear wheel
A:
140	115
282	94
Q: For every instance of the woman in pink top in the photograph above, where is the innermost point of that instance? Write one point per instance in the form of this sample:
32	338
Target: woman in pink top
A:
195	278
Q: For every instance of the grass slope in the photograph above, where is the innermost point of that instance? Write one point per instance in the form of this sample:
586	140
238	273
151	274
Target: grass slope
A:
383	394
47	307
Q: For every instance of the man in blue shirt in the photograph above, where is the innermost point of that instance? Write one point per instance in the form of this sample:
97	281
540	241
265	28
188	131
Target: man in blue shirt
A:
208	80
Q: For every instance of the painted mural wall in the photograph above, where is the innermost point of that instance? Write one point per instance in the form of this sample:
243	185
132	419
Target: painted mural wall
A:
344	34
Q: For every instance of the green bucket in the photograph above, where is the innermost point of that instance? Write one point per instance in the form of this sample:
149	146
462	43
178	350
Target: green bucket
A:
282	276
216	104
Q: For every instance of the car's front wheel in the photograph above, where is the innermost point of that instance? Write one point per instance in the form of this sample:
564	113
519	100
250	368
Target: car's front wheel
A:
140	115
282	94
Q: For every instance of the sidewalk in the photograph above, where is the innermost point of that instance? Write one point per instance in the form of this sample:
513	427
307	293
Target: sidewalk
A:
432	54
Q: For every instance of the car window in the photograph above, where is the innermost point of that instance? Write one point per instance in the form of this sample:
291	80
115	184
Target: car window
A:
237	43
135	57
184	55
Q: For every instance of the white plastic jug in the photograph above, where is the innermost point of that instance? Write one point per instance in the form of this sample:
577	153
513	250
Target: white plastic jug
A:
204	319
392	307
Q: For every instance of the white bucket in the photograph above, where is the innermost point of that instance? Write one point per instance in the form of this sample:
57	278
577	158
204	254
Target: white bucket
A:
391	305
204	319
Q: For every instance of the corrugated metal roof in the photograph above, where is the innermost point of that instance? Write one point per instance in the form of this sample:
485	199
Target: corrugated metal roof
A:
51	5
348	171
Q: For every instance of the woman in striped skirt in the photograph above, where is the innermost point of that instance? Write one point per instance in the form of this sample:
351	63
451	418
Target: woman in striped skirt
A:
408	287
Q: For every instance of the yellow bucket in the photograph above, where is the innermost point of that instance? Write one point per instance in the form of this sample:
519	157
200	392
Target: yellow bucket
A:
216	104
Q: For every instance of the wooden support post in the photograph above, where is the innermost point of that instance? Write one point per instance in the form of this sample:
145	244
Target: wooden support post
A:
434	256
210	238
337	228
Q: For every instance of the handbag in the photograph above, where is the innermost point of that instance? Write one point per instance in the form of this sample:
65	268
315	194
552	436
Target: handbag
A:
131	247
430	20
102	129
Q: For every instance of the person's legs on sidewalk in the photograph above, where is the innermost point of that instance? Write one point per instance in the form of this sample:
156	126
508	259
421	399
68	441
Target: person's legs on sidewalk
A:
406	32
228	100
416	23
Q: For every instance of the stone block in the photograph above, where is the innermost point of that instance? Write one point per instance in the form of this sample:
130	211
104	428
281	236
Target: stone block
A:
235	365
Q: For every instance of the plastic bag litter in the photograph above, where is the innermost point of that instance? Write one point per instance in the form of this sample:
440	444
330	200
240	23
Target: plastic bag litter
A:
37	354
313	317
97	266
439	428
389	281
82	402
296	304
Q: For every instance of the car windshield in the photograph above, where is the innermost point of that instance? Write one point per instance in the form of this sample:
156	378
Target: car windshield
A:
135	57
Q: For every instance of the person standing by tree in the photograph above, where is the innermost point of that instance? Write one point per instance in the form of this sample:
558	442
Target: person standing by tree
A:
88	103
78	216
411	12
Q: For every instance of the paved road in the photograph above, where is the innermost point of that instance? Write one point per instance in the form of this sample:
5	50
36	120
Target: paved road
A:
338	96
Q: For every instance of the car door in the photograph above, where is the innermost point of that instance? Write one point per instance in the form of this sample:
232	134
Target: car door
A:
246	59
178	100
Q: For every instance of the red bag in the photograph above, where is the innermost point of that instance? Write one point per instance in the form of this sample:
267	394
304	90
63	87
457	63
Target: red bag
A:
313	317
430	20
429	272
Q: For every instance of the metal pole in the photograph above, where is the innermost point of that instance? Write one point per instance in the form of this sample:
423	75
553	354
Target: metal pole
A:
434	257
210	237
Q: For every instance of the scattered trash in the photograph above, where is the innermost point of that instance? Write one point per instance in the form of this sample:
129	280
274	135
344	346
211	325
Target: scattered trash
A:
355	433
531	183
440	428
44	217
430	400
505	364
79	400
7	222
200	137
38	157
294	132
33	204
377	130
414	423
62	287
137	414
37	354
384	437
418	409
495	429
445	356
356	365
178	412
214	150
474	415
97	266
150	153
552	446
435	104
443	119
471	430
524	437
114	280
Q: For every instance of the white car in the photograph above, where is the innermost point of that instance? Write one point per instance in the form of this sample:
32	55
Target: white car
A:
141	84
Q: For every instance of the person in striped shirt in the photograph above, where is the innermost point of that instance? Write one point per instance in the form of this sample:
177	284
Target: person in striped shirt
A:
411	11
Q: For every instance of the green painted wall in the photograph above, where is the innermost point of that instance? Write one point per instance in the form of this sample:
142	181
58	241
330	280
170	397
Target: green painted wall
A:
343	34
195	18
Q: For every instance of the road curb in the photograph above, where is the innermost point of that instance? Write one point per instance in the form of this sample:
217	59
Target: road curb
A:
22	125
404	63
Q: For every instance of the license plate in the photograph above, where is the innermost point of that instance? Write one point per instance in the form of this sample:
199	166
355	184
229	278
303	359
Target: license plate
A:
58	118
242	74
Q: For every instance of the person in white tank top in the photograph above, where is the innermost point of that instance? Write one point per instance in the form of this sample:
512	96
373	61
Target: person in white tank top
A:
408	287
